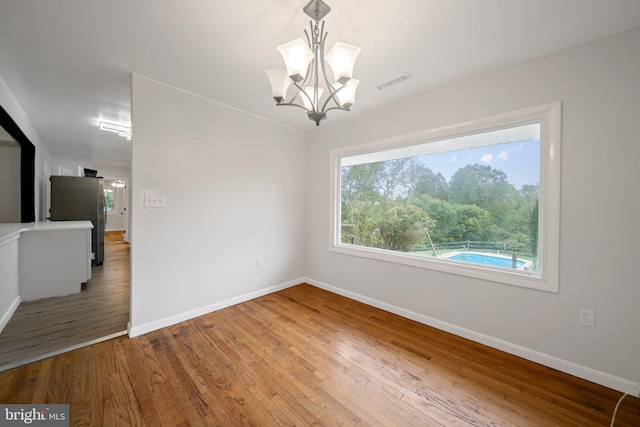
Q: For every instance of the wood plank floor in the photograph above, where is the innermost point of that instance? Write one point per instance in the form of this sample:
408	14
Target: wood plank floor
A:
50	325
115	236
304	356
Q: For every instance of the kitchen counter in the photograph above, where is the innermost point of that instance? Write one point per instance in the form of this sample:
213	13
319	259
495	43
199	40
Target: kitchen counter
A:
9	231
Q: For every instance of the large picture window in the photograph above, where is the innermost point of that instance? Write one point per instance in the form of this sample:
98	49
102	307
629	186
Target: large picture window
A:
479	199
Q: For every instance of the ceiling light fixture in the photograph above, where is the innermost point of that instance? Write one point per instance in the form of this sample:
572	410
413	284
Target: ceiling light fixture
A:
121	130
306	61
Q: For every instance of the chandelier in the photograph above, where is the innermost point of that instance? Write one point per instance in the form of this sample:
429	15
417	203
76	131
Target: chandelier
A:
307	72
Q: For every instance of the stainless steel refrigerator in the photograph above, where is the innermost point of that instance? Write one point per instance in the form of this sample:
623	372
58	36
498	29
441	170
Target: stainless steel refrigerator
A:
75	198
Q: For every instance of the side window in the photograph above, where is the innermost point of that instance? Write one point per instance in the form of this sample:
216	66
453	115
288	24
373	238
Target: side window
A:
110	198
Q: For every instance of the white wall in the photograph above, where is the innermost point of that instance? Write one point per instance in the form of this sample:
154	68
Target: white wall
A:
112	170
10	208
68	164
235	191
9	292
18	115
600	216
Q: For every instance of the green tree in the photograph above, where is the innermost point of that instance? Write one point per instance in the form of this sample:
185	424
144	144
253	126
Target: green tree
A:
473	223
388	225
443	215
109	198
487	188
429	183
359	185
533	229
374	182
479	185
391	204
390	179
360	182
529	195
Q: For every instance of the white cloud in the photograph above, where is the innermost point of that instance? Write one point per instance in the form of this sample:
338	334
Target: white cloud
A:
487	158
453	159
503	155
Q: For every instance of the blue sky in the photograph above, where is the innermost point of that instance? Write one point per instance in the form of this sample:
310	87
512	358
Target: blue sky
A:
519	160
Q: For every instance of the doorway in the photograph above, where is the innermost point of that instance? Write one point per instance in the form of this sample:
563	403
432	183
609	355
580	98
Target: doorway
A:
49	326
116	197
27	166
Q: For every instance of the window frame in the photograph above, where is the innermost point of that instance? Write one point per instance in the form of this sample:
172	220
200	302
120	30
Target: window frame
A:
111	190
549	117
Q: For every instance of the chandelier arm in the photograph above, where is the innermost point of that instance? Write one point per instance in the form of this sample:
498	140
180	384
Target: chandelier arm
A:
332	96
336	108
330	88
307	78
304	93
318	59
291	104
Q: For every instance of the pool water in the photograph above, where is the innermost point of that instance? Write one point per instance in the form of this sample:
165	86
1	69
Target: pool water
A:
495	261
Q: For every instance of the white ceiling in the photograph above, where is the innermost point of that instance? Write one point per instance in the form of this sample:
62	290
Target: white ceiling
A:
69	62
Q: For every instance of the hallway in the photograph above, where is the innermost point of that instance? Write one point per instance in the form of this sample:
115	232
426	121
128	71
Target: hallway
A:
50	326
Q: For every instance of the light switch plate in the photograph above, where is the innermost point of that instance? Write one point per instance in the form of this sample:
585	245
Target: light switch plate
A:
155	201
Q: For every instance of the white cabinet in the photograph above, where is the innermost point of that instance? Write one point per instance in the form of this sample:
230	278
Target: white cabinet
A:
9	293
54	258
53	262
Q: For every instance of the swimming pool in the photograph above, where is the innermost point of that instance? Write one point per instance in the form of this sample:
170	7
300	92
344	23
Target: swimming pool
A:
495	261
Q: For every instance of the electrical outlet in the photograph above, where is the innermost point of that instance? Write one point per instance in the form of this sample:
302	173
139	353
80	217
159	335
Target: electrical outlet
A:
587	317
259	263
323	258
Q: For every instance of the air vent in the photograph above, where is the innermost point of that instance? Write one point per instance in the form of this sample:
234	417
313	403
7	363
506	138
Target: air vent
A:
400	79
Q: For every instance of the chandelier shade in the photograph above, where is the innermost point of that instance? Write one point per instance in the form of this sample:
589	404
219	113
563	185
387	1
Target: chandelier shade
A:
346	96
341	58
319	89
280	82
297	57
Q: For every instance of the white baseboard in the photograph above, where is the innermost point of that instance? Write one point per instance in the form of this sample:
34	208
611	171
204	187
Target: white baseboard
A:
598	377
28	360
7	315
561	365
172	320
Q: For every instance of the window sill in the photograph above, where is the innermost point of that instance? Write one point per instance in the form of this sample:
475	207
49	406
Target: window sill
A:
504	276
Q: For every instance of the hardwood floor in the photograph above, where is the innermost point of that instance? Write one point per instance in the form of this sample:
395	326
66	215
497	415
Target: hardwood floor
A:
304	356
48	326
116	236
